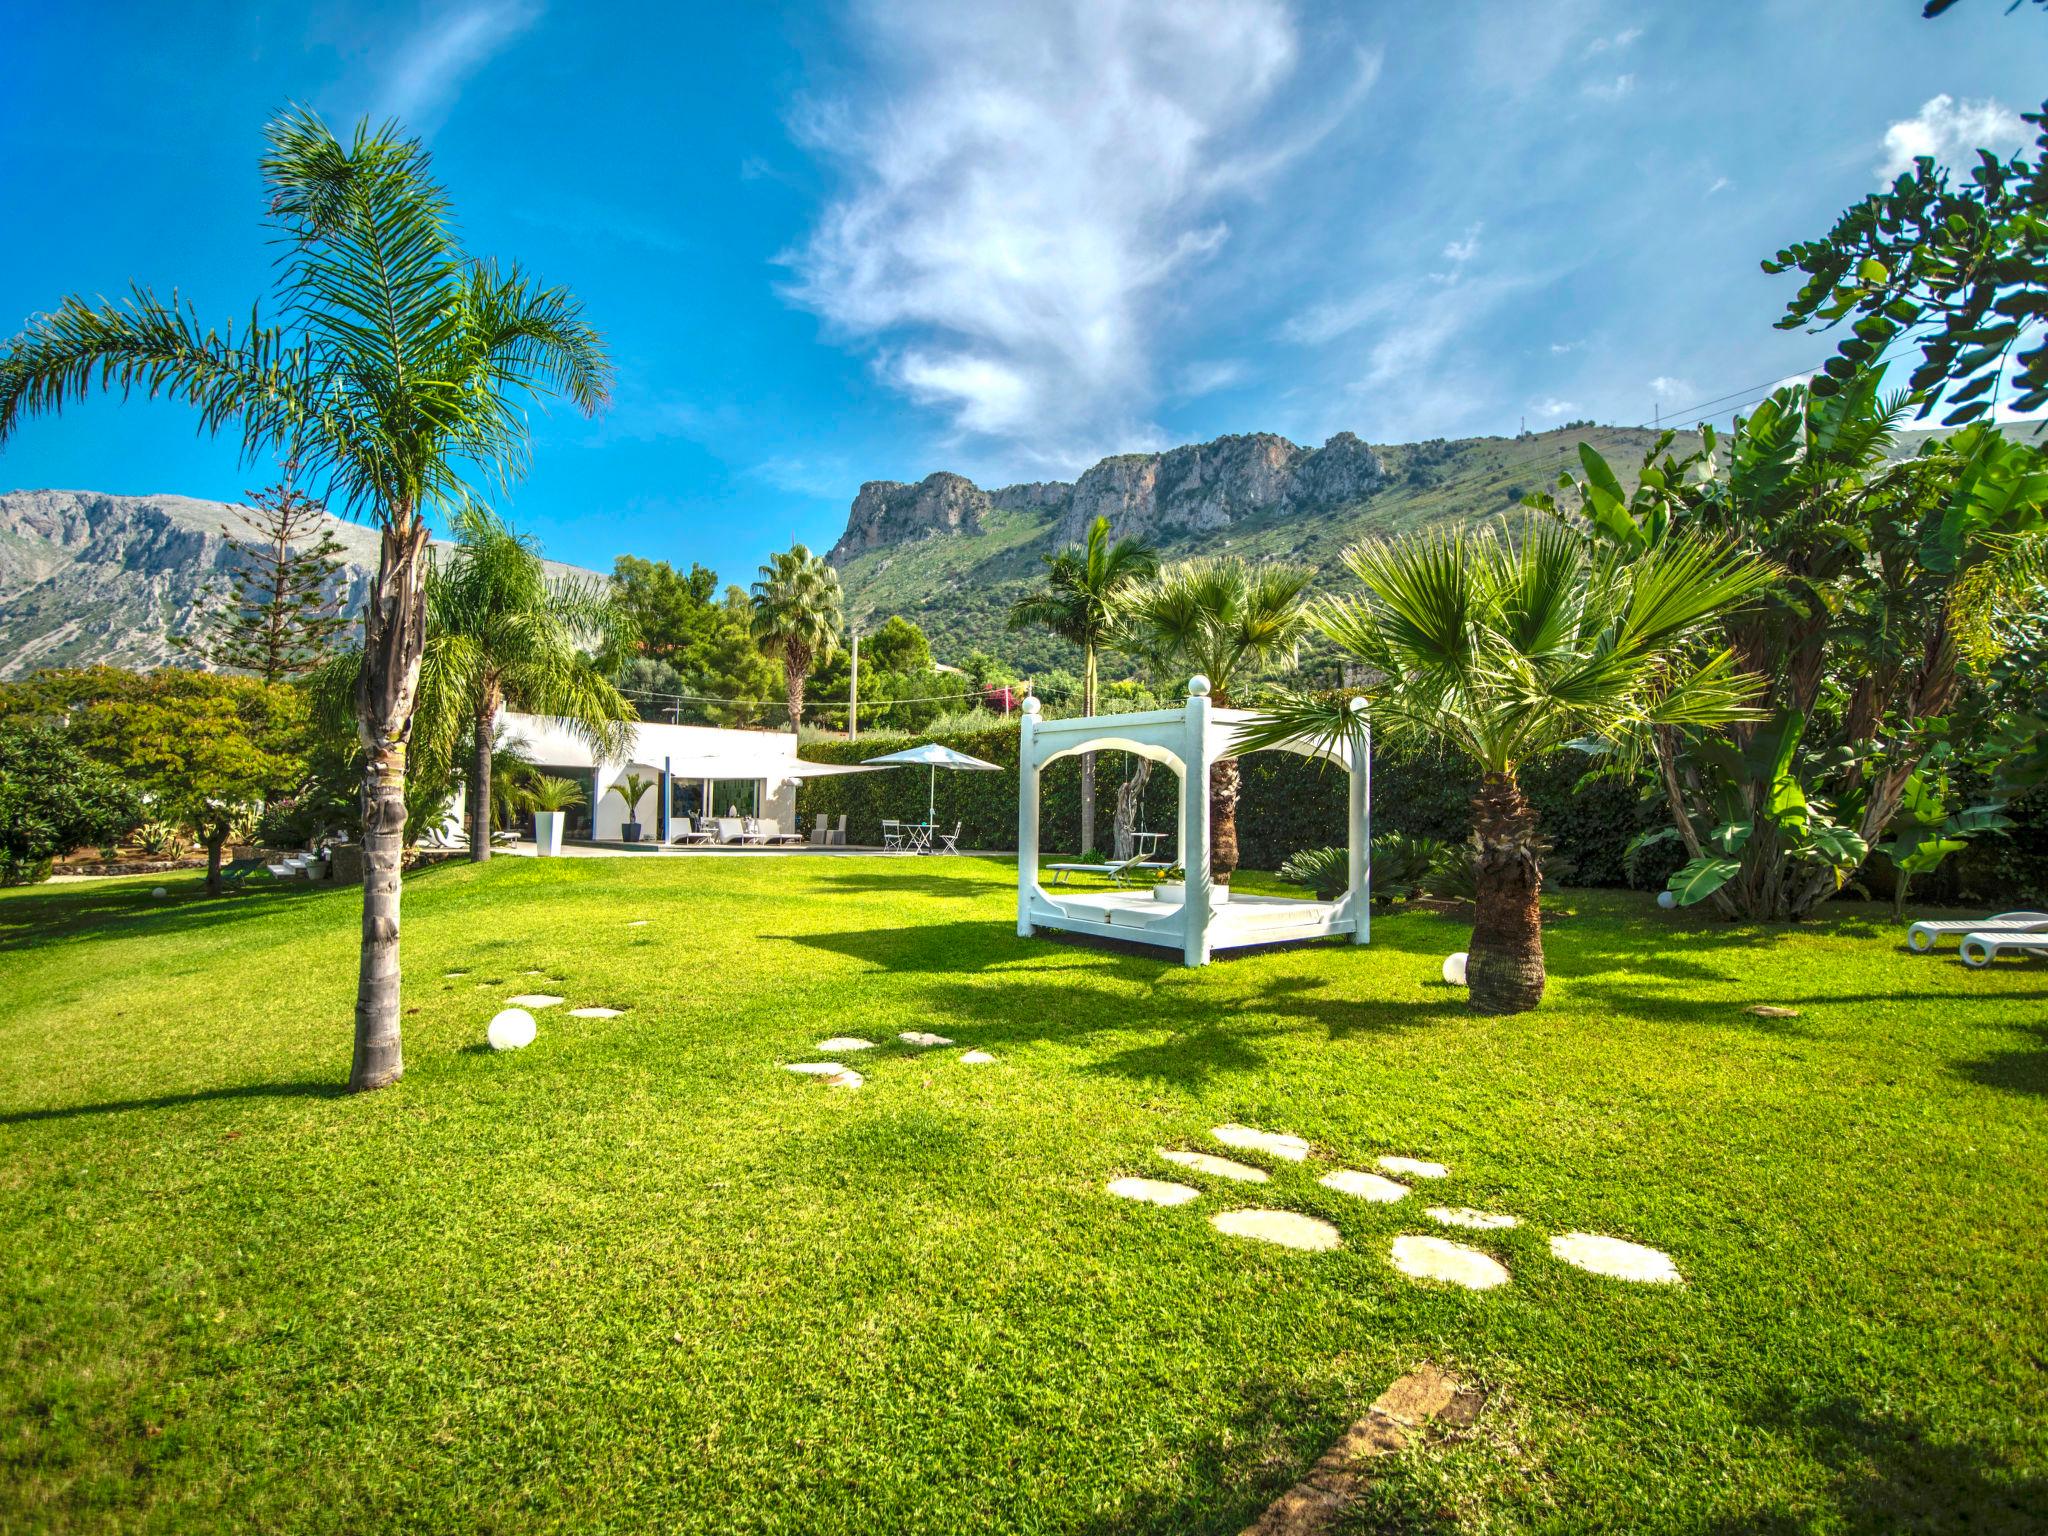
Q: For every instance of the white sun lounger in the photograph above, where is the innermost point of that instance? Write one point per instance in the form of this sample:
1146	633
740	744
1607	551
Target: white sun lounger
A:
1117	873
1980	949
1922	937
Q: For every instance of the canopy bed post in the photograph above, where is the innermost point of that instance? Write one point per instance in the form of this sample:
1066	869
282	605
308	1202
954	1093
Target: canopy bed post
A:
1359	897
1194	820
1027	814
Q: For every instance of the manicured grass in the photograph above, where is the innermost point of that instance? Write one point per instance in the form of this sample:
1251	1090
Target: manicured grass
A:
636	1277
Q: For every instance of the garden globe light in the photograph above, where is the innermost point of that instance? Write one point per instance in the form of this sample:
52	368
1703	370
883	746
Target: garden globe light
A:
1667	900
511	1029
1454	968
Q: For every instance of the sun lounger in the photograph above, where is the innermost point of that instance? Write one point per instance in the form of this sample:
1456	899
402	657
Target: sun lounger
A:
1922	937
1980	949
1118	874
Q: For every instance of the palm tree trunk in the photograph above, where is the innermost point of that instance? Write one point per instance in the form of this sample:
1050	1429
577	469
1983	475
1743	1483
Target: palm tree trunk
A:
1223	780
394	634
1088	758
796	668
480	782
1504	967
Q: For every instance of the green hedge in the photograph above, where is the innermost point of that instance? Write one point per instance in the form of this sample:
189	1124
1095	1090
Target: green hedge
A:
1288	803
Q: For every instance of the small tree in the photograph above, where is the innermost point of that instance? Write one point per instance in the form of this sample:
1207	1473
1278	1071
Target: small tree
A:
286	608
798	617
632	789
54	798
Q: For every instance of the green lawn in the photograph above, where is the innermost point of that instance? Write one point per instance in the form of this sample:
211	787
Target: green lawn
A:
636	1277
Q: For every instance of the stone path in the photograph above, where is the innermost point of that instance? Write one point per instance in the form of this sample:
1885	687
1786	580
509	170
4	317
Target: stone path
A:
596	1013
1465	1216
834	1074
975	1058
1438	1258
1414	1167
535	1000
1366	1186
1289	1229
845	1043
1273	1143
638	922
1219	1167
1616	1258
920	1038
1153	1191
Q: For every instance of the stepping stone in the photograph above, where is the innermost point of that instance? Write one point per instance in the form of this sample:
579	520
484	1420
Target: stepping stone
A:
1153	1191
1290	1229
1771	1011
1619	1260
846	1043
638	922
1438	1258
1414	1167
845	1078
921	1038
596	1013
816	1068
1366	1186
1275	1143
452	974
1465	1216
533	973
1219	1167
534	1000
975	1058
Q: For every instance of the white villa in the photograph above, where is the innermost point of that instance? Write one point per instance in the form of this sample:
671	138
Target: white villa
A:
698	770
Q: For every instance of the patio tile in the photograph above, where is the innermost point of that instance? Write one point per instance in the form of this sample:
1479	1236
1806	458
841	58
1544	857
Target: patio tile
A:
1219	1167
1275	1143
1366	1186
1438	1258
1153	1191
1289	1229
1616	1258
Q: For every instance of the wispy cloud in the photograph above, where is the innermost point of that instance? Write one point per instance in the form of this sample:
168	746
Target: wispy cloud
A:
1559	348
1609	90
1718	184
1665	387
1616	42
1947	129
1024	184
429	67
1205	378
1553	406
1458	252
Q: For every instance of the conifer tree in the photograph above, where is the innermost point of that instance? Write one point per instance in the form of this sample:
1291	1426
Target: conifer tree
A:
286	608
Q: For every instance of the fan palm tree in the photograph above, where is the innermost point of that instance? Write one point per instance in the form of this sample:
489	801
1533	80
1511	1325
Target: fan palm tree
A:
1508	649
397	362
1226	618
632	788
1084	587
799	615
500	633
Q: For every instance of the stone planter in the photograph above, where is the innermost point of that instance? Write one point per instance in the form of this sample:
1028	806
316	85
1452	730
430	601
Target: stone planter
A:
547	833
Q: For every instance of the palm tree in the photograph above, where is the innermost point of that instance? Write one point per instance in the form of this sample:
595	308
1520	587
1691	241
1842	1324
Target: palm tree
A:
1509	649
1084	588
398	362
501	633
798	616
632	788
1226	618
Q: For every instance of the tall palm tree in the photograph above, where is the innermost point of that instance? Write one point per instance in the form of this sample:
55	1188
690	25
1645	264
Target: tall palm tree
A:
398	361
500	633
1508	649
1225	617
1084	587
799	616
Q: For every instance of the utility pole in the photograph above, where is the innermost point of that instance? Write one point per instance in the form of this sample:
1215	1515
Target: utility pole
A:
853	693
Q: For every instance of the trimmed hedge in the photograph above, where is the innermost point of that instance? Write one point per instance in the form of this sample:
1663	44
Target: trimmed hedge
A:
1288	803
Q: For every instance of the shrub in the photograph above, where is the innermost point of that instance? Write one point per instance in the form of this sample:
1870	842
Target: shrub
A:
53	798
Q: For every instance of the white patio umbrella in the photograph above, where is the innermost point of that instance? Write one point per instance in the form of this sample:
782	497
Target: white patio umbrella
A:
935	757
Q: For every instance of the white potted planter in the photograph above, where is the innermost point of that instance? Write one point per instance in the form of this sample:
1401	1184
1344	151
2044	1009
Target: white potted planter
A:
547	833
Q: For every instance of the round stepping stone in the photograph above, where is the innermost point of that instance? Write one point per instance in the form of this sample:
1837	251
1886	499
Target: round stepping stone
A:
1465	1216
452	974
1153	1191
533	973
1289	1229
975	1058
1366	1186
595	1013
1220	1167
846	1077
815	1068
1274	1143
921	1038
1615	1258
638	922
1438	1258
846	1043
534	1000
1414	1167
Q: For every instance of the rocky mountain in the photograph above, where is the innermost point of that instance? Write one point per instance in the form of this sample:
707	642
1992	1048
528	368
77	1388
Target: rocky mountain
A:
87	577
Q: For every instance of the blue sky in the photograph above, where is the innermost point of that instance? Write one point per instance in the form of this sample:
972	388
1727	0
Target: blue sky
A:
871	240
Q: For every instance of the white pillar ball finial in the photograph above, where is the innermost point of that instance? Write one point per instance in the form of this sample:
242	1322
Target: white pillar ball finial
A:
1031	706
1198	687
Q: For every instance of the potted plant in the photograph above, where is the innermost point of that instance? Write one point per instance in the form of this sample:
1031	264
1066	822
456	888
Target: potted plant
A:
550	798
1173	886
632	789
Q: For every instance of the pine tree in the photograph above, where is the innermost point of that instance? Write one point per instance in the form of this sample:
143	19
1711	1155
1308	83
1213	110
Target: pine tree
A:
286	609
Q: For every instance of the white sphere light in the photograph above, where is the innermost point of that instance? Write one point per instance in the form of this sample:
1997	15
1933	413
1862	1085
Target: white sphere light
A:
1667	899
159	892
1454	968
512	1029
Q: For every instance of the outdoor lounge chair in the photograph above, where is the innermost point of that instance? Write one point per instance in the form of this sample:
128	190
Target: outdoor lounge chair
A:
731	829
1119	874
768	830
1980	949
1922	937
687	831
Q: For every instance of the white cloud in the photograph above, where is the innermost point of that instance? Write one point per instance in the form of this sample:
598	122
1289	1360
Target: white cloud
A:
1719	184
1024	184
430	67
1949	130
1610	90
1205	378
1664	387
1562	347
1617	42
1458	252
1553	407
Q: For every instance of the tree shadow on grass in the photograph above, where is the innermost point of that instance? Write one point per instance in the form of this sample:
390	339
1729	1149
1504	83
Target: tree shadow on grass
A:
72	916
891	882
178	1101
1890	1475
2016	1071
